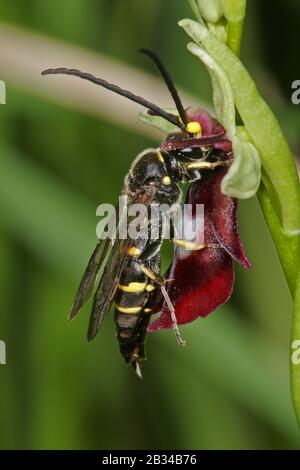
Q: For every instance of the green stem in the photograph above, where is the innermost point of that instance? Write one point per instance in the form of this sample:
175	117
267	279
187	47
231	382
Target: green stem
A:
288	248
295	353
234	36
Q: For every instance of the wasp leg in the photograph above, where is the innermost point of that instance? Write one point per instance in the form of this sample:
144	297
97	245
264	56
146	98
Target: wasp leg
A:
151	251
189	245
195	246
180	341
199	165
161	282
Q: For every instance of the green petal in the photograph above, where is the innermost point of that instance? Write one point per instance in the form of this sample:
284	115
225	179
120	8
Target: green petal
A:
219	29
159	122
243	177
222	91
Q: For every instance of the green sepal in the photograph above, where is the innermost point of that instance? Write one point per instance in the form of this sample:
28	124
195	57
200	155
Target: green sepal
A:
160	123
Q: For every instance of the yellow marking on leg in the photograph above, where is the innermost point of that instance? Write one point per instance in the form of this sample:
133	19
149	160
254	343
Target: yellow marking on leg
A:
166	180
148	273
128	309
133	287
148	310
159	280
189	245
150	288
160	156
134	251
204	165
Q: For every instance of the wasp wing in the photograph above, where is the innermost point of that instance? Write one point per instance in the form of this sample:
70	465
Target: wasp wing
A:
113	270
97	260
202	280
108	284
88	280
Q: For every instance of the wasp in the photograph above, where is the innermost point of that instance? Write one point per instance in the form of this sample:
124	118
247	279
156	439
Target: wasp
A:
200	277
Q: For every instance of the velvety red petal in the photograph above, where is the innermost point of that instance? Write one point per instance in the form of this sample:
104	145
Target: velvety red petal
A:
203	280
222	213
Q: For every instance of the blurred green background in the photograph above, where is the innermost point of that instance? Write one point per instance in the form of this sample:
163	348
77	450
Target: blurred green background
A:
61	154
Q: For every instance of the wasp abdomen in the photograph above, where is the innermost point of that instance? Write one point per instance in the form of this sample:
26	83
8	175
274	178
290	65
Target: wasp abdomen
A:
132	310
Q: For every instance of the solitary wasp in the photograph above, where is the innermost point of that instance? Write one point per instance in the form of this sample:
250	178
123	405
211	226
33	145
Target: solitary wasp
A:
201	275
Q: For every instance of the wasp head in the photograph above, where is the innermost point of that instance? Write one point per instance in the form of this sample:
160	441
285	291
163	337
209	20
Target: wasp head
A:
201	134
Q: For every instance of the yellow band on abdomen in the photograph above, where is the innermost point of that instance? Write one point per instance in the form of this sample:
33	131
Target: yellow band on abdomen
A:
128	309
133	287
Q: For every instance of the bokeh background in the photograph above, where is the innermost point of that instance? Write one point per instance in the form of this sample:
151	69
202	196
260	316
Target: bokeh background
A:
65	146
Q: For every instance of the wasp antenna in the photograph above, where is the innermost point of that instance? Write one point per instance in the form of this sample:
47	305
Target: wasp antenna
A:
116	89
169	82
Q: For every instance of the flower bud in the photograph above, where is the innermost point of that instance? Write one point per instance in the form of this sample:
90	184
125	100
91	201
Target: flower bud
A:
233	10
211	10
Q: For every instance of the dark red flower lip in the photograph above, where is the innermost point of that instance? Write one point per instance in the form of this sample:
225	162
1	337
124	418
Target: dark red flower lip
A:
216	141
213	133
203	280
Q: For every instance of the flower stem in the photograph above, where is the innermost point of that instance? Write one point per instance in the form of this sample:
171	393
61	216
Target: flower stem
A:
295	353
287	247
234	36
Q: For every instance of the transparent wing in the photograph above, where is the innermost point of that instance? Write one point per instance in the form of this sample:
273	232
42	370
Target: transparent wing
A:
113	270
95	264
108	285
88	280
